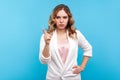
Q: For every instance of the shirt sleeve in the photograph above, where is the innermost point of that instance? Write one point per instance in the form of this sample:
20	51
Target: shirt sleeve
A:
84	44
43	59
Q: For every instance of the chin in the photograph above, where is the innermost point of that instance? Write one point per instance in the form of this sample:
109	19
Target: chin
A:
61	27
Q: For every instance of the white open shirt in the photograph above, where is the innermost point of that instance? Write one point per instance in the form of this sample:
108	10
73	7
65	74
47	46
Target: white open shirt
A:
56	69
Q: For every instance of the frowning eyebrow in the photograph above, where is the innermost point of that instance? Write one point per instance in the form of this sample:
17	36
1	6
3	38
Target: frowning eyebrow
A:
61	17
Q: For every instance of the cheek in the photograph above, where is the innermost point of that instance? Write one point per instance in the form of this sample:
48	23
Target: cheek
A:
56	22
66	21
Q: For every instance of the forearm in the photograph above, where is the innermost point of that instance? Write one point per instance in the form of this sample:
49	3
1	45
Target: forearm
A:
46	51
84	61
80	68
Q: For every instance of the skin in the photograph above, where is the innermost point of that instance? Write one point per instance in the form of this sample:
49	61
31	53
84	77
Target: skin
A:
61	21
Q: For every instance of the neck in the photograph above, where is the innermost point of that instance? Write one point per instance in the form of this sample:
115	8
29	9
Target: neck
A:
61	31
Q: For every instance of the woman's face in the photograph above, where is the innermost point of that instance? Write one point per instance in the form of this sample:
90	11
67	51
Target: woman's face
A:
61	19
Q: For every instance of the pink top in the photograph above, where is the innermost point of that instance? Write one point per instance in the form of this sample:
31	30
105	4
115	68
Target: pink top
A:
63	48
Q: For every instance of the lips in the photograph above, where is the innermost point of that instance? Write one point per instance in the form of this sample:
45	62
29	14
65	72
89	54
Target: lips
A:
61	24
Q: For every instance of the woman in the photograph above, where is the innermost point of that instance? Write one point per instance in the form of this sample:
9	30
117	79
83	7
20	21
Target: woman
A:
59	46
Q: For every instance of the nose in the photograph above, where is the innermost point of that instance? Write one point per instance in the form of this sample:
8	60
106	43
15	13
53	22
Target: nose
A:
61	20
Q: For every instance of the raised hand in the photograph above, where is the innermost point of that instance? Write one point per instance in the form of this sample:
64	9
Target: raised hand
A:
47	36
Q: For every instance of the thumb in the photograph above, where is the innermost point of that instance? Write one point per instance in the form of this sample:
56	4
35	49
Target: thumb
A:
75	66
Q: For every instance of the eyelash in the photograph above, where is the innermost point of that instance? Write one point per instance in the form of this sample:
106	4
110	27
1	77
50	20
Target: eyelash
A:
63	17
57	17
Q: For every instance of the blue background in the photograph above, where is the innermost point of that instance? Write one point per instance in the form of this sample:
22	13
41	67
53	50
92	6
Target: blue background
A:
21	24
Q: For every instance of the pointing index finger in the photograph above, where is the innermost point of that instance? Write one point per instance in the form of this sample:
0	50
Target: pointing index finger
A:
44	31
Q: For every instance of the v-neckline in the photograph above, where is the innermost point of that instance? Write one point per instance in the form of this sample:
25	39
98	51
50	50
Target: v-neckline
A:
63	49
58	51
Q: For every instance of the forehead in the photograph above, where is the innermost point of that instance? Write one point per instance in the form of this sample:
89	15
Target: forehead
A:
62	13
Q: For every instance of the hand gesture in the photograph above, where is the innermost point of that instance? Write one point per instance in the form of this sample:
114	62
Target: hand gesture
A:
47	36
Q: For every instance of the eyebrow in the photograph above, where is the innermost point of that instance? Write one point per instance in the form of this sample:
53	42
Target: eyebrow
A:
62	16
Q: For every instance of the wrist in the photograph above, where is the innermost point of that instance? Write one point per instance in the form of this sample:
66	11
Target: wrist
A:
82	66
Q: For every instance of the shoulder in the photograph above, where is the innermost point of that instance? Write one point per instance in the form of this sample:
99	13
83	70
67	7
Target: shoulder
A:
78	32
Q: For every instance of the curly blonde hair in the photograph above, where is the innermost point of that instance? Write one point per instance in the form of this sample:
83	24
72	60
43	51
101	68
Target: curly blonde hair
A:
70	26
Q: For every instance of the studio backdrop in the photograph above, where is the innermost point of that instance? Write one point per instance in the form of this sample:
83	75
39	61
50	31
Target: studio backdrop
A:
21	24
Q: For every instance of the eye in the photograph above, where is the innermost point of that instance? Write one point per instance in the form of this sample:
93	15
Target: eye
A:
65	17
57	17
